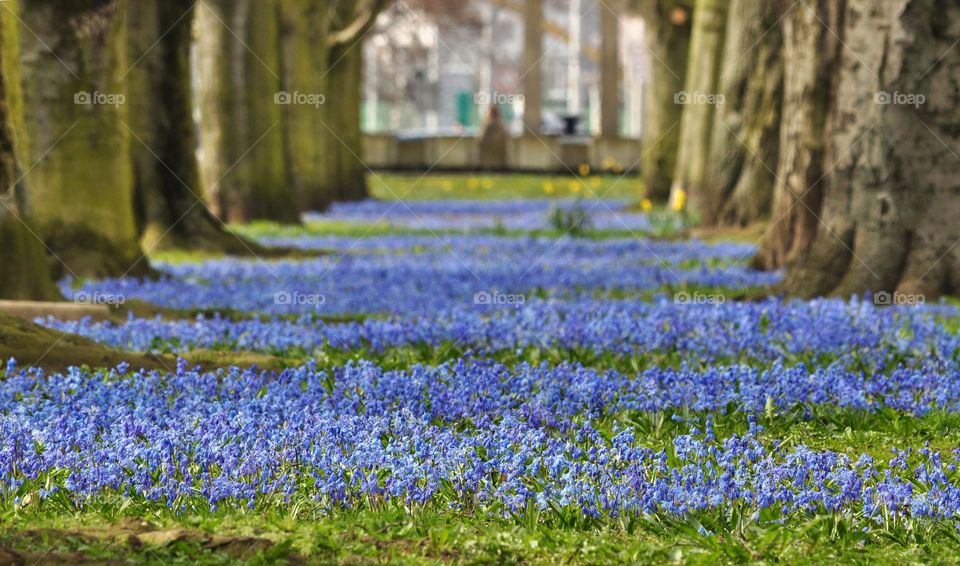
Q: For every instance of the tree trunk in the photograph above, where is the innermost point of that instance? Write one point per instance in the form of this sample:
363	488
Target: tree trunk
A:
344	171
305	52
81	189
215	100
171	207
24	273
343	142
242	131
699	99
890	194
532	73
810	53
668	28
745	139
610	69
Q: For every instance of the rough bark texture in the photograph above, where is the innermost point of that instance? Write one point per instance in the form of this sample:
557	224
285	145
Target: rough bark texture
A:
810	53
80	193
699	101
171	209
668	41
24	273
242	133
891	197
744	147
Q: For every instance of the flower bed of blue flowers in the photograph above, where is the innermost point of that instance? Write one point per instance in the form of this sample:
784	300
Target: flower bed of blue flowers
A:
557	382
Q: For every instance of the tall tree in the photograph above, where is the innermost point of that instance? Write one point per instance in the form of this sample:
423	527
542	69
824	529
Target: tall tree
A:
532	72
304	47
172	211
25	274
890	195
810	52
344	172
699	99
244	157
668	26
81	188
744	147
610	68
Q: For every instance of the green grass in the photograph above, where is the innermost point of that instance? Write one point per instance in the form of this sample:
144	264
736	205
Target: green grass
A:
113	527
482	186
399	536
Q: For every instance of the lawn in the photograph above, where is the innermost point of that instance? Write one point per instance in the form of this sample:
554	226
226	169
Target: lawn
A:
466	380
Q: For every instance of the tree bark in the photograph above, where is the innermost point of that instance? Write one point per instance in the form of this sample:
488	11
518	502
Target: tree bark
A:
24	273
610	69
305	51
81	189
745	139
699	100
532	73
345	173
810	53
668	27
242	124
171	206
890	191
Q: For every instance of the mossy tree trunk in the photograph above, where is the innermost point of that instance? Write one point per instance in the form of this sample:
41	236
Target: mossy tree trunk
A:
344	171
303	35
24	273
668	27
80	192
172	210
743	154
891	199
345	141
242	130
699	100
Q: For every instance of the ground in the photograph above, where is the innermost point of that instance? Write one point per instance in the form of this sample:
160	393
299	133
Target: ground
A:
470	384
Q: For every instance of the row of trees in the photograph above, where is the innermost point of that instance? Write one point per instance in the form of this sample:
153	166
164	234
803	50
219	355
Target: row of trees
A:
98	137
837	119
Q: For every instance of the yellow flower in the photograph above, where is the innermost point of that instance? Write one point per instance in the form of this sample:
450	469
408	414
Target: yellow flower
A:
596	181
646	205
679	201
574	186
473	184
584	169
447	186
548	187
487	184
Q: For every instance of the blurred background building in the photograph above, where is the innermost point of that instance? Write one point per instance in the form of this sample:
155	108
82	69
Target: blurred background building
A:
433	68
